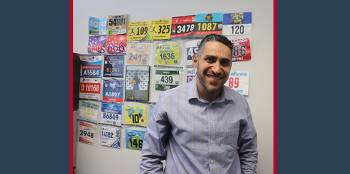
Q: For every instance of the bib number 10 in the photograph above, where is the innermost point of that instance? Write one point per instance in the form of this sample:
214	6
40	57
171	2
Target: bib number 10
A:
135	118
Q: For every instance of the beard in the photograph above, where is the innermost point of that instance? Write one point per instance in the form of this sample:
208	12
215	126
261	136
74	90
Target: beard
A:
211	82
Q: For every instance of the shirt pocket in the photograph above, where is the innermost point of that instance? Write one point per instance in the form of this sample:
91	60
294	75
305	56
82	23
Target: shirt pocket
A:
228	133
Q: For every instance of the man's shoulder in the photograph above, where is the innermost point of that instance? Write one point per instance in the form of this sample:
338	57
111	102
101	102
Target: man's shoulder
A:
233	95
178	91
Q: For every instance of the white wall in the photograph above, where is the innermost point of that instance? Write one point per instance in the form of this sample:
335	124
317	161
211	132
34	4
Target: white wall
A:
93	159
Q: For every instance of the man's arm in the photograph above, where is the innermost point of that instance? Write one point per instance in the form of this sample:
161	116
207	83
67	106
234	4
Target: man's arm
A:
156	138
248	153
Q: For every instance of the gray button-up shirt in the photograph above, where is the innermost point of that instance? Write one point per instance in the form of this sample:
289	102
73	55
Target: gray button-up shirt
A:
194	136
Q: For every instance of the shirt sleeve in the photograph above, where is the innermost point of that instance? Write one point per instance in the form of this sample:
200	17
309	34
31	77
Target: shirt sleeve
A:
248	145
156	138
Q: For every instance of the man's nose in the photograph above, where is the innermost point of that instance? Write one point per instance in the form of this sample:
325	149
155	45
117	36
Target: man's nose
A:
216	67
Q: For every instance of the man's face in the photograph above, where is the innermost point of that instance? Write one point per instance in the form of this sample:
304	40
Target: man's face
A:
213	63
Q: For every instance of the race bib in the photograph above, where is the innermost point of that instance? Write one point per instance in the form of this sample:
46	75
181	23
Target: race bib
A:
160	29
89	110
113	66
91	66
110	136
182	26
111	113
138	53
113	90
135	114
237	23
208	23
239	81
241	49
87	132
167	78
137	83
116	44
191	50
139	31
117	24
90	88
167	53
190	74
97	44
97	26
134	138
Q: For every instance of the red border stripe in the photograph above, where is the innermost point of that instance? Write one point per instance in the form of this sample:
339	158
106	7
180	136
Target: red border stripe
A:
71	87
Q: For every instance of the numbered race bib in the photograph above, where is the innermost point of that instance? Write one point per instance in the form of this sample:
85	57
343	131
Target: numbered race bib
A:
167	53
89	110
182	26
208	23
138	53
113	66
137	83
135	114
97	44
111	113
91	66
87	132
191	50
110	136
237	23
90	88
113	90
160	29
97	26
167	78
190	74
241	49
117	24
134	138
139	31
116	44
239	81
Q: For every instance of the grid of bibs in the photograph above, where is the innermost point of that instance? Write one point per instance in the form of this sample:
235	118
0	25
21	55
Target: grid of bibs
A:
130	63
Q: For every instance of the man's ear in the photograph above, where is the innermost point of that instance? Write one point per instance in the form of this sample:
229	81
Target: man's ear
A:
195	60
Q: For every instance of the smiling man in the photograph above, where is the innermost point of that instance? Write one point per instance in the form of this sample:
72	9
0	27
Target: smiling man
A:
203	126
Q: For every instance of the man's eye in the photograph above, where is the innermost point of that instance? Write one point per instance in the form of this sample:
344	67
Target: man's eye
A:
225	62
211	59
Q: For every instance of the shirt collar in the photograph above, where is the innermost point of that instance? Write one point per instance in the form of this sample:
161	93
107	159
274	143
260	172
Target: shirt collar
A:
193	93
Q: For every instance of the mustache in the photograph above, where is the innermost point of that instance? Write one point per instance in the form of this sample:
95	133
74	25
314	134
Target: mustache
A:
214	74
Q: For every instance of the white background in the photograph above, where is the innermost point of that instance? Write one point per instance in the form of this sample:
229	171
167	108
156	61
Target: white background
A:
94	159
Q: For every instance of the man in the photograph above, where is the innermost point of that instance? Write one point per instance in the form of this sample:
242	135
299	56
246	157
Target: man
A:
202	127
